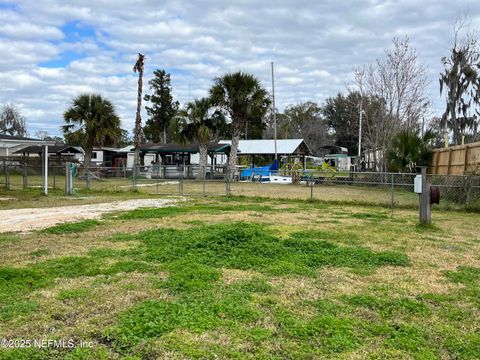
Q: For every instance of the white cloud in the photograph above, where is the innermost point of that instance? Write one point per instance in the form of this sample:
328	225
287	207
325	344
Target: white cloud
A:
314	46
29	31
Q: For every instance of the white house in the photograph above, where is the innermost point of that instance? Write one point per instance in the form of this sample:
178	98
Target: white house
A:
10	144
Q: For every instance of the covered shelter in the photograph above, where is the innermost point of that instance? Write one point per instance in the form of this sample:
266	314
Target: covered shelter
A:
286	148
180	154
173	158
10	145
62	152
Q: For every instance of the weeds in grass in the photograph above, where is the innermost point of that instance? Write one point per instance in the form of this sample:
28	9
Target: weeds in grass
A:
153	213
8	238
466	275
70	228
370	216
40	253
193	257
73	294
387	307
251	246
204	316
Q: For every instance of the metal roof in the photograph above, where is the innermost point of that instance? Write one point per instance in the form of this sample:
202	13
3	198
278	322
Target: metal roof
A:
24	140
267	147
14	137
55	149
184	148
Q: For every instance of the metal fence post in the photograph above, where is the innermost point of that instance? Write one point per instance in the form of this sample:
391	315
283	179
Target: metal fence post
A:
468	194
68	178
424	211
134	176
311	186
7	176
87	177
227	182
203	184
53	171
158	176
180	181
25	174
391	191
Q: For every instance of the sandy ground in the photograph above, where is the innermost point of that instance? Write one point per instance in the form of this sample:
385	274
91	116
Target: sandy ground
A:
38	218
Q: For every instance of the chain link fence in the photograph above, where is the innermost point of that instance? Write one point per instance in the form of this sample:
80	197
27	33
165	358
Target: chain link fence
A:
387	189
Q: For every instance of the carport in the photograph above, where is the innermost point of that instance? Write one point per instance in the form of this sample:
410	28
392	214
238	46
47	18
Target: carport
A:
10	144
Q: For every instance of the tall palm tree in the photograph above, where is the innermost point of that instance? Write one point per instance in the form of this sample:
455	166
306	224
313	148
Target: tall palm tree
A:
91	121
138	67
196	123
241	96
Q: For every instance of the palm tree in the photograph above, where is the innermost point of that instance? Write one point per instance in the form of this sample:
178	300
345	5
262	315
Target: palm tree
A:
138	120
409	150
91	121
196	123
241	96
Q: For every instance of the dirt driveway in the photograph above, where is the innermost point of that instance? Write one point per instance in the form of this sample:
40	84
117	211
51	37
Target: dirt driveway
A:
39	218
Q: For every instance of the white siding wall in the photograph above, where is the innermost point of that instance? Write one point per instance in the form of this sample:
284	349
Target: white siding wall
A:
99	157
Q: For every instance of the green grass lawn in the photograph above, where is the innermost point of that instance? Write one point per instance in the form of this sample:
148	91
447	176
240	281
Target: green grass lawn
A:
245	278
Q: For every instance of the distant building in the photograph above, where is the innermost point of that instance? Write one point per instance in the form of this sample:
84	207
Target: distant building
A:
9	144
336	156
287	149
110	156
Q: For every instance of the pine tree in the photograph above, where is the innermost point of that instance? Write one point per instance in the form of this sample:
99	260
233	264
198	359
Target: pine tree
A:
163	108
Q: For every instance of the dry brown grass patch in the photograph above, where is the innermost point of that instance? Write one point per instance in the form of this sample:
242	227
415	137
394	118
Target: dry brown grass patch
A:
230	276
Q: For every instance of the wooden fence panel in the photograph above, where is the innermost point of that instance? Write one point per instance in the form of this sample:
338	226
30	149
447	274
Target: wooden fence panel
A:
456	160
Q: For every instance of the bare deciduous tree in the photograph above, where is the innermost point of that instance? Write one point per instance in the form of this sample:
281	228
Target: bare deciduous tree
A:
393	95
401	81
41	134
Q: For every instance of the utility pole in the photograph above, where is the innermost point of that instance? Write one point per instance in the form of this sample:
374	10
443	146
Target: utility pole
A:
360	135
274	114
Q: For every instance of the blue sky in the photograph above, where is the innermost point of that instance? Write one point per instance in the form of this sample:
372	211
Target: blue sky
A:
56	50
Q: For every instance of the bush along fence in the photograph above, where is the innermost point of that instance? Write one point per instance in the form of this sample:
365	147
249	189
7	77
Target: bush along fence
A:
390	189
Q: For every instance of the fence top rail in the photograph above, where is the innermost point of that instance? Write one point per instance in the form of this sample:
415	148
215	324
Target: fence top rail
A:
305	172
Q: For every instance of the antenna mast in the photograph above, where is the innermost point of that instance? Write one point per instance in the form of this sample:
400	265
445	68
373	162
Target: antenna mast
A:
274	113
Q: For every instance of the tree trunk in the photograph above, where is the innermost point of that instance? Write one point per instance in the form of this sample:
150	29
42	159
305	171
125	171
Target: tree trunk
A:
164	135
232	161
138	118
203	161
